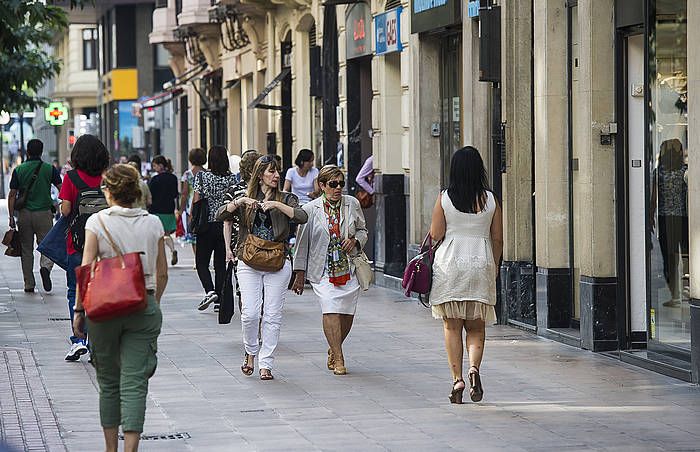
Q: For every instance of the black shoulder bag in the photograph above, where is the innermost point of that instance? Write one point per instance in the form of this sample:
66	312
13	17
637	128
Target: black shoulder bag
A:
199	219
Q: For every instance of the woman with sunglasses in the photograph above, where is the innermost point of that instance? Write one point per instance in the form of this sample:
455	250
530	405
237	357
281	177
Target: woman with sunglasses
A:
267	213
335	231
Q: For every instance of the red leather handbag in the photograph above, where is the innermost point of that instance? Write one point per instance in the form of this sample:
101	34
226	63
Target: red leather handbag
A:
112	287
418	275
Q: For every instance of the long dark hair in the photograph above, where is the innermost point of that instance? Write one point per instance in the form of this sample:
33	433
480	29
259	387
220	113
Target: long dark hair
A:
218	161
468	181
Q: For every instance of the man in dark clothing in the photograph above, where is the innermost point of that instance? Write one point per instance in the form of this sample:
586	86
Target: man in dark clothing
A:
35	218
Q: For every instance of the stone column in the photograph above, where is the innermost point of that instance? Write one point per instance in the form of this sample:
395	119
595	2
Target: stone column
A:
694	183
551	165
594	190
517	275
425	162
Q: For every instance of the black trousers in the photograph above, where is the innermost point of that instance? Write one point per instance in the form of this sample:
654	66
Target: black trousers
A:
211	241
673	238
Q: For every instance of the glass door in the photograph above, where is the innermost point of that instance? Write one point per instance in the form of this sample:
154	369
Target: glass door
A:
667	165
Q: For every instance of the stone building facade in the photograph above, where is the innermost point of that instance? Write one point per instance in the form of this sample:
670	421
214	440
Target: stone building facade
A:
599	194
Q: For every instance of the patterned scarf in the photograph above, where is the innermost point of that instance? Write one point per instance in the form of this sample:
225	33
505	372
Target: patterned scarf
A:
338	264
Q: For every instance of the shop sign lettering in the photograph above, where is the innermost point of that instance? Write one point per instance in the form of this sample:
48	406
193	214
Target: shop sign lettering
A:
387	31
424	5
357	29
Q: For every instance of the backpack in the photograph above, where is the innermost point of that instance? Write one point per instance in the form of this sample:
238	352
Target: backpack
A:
90	200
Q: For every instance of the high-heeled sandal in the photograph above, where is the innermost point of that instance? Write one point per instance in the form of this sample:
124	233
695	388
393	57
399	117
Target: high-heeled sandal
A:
245	368
456	394
331	360
476	391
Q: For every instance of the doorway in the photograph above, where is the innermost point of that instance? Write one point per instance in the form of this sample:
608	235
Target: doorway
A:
359	89
286	52
634	151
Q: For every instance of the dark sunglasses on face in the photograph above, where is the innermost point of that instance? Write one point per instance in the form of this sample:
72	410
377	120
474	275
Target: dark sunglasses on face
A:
336	183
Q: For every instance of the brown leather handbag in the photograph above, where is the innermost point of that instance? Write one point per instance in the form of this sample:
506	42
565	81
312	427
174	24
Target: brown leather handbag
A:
112	287
263	255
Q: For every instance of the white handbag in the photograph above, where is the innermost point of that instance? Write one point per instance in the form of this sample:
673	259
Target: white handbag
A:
363	270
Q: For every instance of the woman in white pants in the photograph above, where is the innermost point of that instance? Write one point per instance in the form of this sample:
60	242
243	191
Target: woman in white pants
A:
335	231
265	212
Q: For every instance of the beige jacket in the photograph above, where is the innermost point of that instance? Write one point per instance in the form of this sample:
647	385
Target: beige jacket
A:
313	237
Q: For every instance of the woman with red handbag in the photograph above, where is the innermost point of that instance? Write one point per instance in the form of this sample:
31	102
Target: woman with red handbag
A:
123	347
467	218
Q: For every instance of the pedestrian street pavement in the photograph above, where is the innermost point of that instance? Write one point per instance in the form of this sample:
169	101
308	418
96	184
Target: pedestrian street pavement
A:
539	395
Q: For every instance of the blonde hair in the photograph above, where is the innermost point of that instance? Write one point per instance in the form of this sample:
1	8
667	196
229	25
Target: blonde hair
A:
123	182
329	172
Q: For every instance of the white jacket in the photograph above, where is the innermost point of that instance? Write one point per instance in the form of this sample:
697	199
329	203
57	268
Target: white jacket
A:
313	237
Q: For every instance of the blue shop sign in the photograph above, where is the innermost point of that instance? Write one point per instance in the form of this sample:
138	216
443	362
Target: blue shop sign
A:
387	31
424	5
473	8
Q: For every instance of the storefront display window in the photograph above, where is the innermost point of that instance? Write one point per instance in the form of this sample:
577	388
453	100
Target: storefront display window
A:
669	274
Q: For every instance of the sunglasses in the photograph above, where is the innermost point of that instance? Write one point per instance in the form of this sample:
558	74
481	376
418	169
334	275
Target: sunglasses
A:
336	183
267	158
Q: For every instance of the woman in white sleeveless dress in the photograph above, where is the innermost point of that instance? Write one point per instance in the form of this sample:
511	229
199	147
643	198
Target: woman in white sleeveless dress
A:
468	219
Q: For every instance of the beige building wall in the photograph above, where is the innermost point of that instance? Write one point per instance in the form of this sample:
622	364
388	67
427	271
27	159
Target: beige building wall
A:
477	106
517	113
594	185
392	85
73	85
551	139
425	169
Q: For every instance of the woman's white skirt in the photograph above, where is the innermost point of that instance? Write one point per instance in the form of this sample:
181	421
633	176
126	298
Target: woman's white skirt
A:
337	299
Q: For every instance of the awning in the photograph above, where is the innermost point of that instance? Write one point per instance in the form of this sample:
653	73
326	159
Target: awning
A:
256	103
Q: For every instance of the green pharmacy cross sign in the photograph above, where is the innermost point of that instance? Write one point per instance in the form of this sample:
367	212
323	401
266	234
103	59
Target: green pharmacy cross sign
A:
56	113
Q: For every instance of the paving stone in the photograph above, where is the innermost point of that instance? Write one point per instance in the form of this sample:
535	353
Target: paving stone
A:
540	395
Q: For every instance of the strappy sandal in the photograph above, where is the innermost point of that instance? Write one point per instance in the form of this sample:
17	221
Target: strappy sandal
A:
456	394
245	368
476	391
266	375
331	360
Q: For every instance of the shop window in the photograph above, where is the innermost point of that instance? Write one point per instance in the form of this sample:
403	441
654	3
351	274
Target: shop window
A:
89	49
669	274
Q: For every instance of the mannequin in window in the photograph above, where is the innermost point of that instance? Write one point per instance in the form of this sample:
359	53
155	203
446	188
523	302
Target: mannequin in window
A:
670	195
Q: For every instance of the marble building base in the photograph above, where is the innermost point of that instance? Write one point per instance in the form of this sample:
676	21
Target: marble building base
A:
518	294
598	320
695	339
553	298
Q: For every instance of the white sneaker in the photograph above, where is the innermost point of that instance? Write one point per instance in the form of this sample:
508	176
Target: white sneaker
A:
209	298
77	350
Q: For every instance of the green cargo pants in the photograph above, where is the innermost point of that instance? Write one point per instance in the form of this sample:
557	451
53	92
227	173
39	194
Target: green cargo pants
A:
123	352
